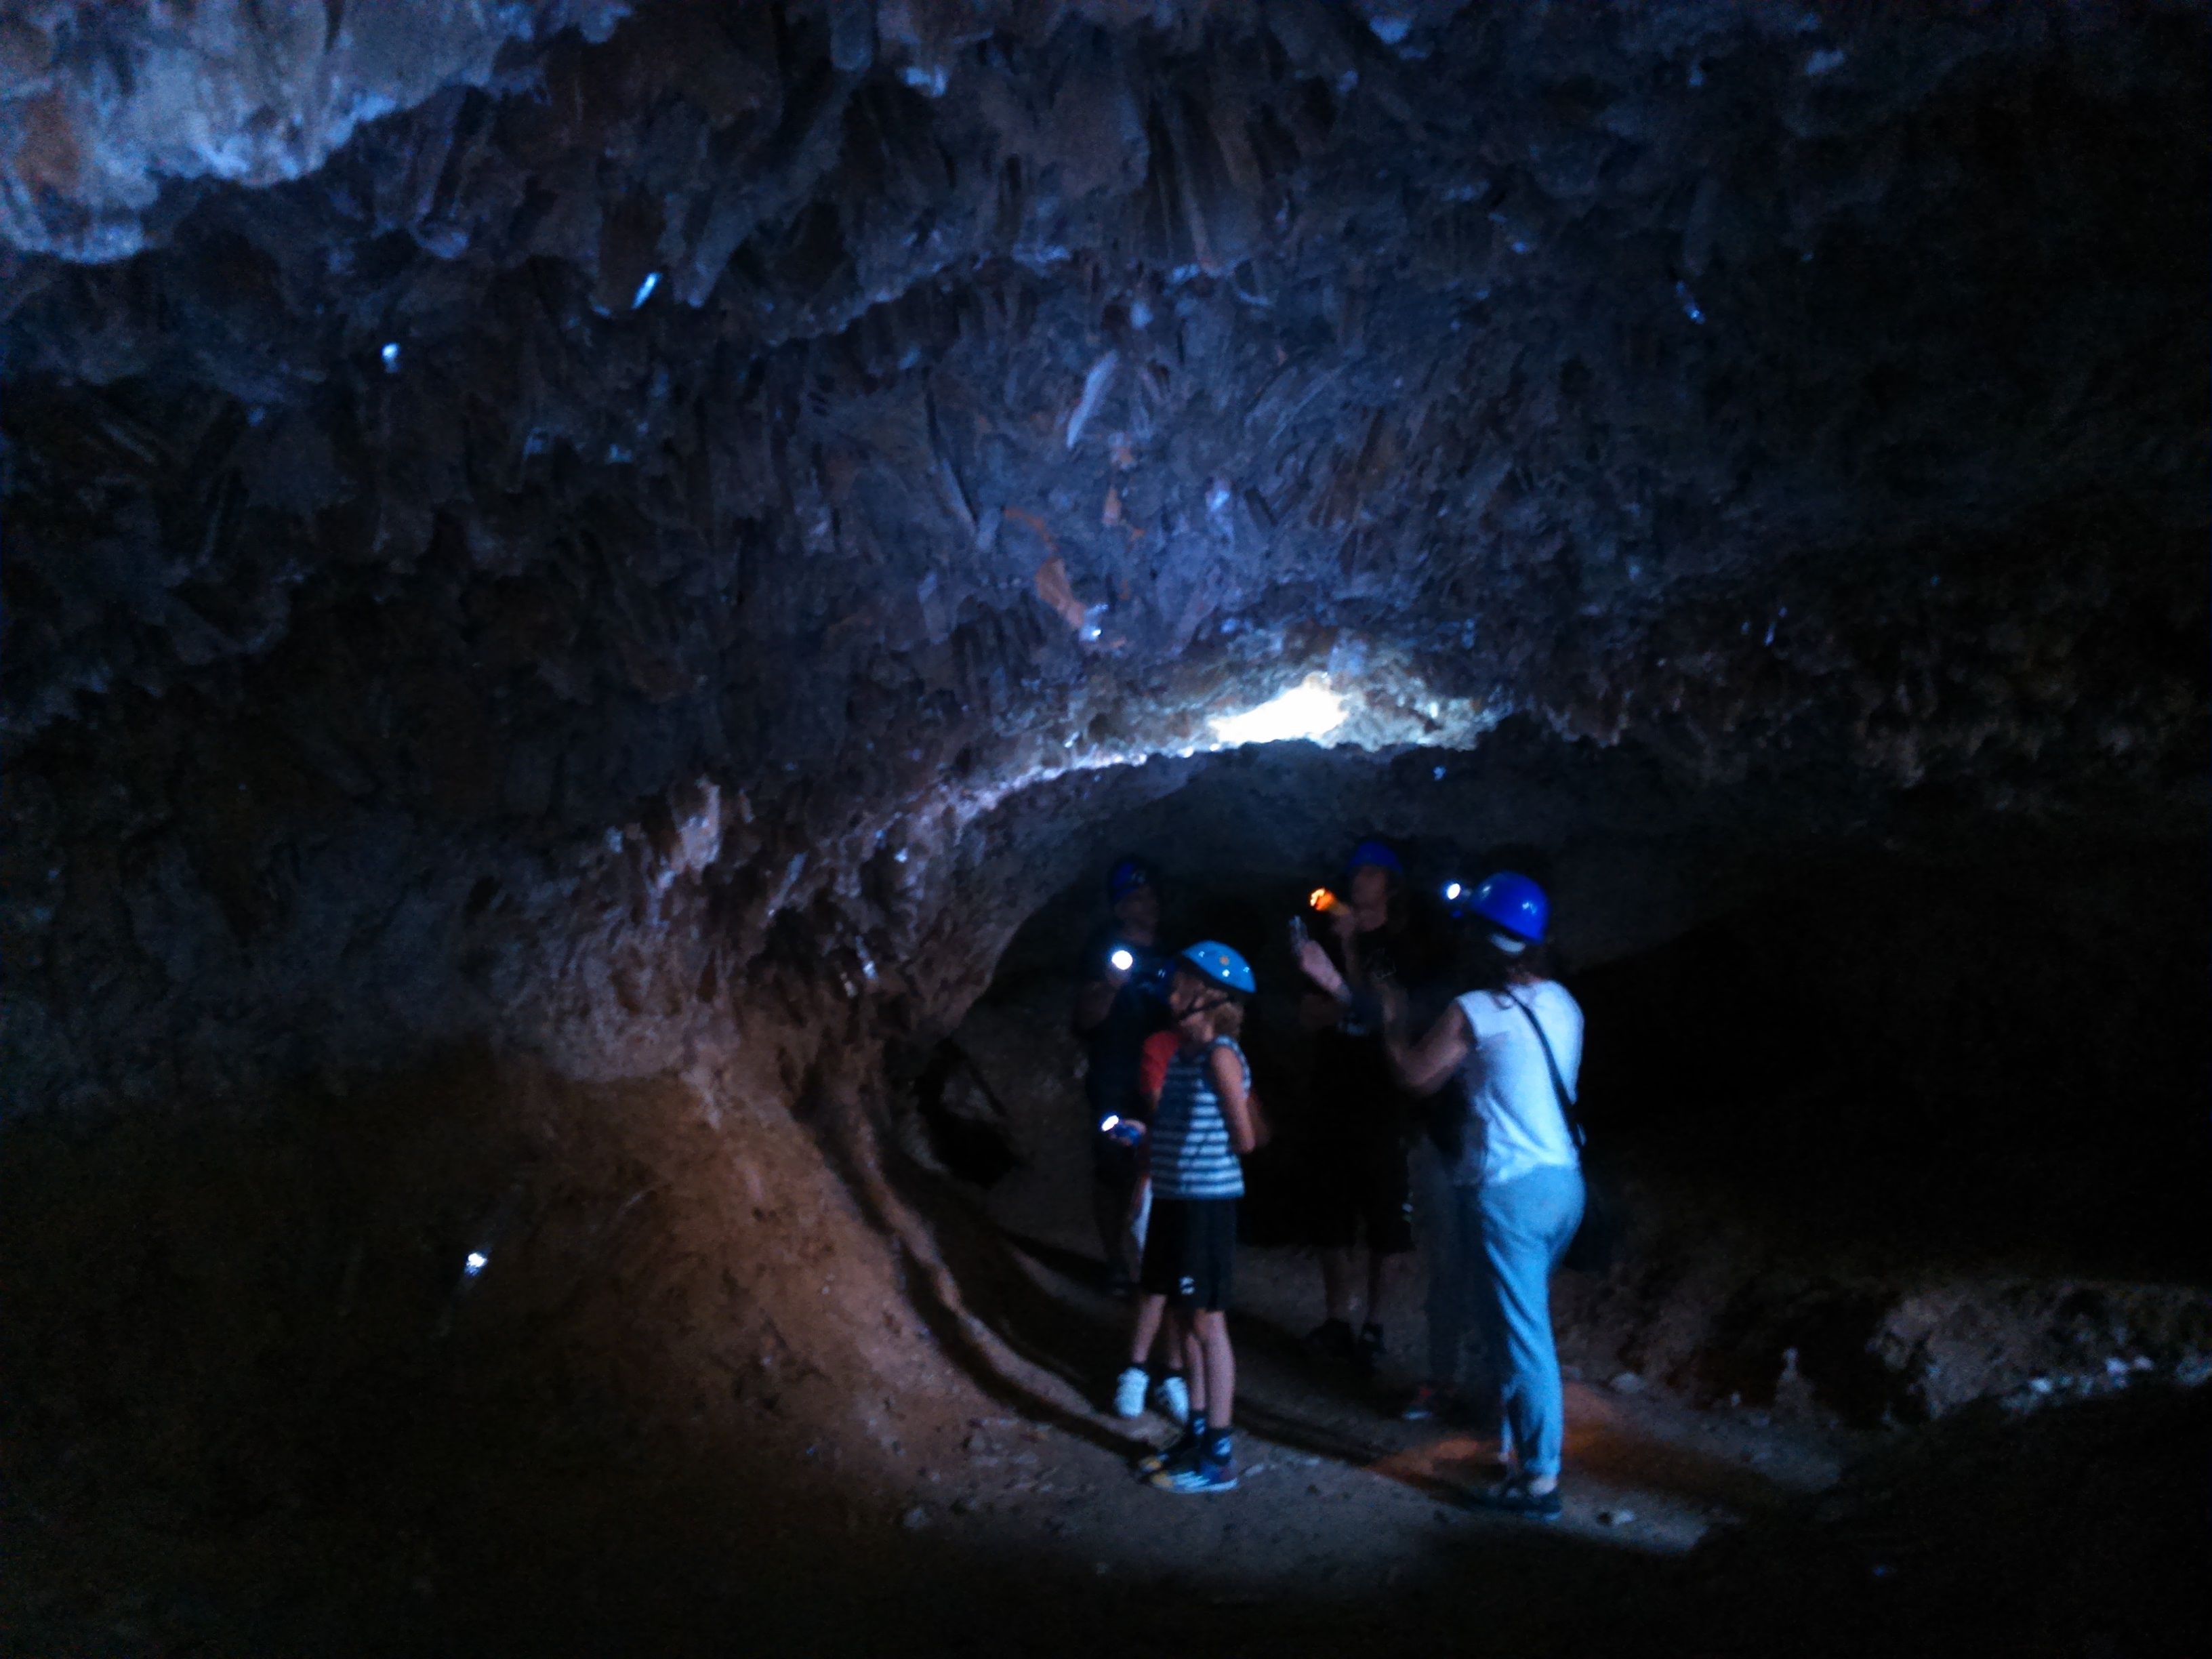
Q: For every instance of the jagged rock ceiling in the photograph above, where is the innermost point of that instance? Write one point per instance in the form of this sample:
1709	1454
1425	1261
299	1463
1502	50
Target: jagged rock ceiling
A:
438	437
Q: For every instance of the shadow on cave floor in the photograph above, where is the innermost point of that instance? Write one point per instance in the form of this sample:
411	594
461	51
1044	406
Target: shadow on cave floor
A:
1687	1531
215	1470
1649	1475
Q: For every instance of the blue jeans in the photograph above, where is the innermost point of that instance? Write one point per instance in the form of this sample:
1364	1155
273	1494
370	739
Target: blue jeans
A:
1492	1252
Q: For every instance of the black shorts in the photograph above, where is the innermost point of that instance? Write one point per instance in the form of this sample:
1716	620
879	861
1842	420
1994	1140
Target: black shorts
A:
1190	1251
1361	1191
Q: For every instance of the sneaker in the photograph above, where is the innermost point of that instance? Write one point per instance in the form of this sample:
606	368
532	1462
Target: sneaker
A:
1511	1496
1426	1401
1129	1391
1205	1474
1184	1450
1369	1354
1330	1340
1172	1399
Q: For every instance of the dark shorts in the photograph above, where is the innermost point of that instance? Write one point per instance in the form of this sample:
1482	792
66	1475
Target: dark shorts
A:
1190	1251
1361	1193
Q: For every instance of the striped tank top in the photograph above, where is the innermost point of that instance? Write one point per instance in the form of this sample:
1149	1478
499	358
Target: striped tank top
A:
1191	1158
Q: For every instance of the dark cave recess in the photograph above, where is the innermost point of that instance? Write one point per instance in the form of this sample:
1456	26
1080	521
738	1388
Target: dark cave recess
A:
1985	1045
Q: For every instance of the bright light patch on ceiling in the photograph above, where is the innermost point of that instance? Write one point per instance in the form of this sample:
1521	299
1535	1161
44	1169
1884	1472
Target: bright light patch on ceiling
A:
1309	709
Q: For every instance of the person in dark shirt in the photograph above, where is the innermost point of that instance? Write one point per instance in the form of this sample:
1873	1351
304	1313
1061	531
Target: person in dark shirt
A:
1361	1194
1118	1004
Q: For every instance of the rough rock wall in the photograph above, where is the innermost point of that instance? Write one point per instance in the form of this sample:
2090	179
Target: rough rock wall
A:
628	522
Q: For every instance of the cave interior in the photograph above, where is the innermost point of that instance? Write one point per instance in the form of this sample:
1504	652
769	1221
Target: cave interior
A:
591	586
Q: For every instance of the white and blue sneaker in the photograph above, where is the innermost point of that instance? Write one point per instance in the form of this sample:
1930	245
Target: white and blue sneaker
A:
1206	1473
1172	1399
1129	1391
1184	1450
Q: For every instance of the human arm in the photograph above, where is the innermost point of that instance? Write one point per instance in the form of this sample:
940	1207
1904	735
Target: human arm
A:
1094	1000
1227	1068
1421	1068
1324	1007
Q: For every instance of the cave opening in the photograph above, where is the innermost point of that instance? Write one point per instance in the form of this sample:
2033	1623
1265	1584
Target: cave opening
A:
592	589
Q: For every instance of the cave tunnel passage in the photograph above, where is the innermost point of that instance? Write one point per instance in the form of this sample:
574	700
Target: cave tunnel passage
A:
592	585
1871	1032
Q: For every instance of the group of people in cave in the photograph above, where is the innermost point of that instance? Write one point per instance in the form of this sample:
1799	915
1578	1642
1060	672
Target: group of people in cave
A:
1440	1077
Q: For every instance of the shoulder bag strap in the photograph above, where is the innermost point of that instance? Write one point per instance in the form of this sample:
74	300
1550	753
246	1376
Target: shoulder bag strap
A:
1568	1107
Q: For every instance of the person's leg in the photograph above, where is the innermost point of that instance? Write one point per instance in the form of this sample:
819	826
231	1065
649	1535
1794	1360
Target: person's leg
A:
1382	1273
1145	1329
1110	1212
1523	1222
1485	1366
1446	1250
1332	1229
1194	1365
1210	1346
1339	1272
1385	1205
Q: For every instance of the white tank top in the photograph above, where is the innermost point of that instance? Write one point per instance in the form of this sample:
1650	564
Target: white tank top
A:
1514	1121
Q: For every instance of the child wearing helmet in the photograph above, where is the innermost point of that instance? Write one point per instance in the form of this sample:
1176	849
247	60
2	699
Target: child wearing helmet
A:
1204	1124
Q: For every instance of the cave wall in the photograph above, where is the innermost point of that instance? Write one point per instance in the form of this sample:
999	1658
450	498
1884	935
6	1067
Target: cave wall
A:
423	627
575	572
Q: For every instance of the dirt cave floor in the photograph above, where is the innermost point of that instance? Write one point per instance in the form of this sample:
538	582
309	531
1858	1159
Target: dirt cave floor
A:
1685	1529
444	1525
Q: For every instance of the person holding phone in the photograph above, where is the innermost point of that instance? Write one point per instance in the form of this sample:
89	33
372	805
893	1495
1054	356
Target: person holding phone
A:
1119	1002
1360	1193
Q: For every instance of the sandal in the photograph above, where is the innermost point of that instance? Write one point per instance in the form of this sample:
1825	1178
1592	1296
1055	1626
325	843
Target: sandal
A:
1513	1496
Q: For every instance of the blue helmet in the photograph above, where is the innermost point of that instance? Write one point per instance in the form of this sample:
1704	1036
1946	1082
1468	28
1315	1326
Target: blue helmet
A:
1376	852
1218	962
1514	903
1125	877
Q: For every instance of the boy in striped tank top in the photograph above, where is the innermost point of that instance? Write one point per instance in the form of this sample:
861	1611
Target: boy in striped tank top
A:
1204	1123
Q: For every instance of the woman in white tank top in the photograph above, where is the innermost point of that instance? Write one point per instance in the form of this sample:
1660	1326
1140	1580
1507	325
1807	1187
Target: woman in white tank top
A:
1515	1186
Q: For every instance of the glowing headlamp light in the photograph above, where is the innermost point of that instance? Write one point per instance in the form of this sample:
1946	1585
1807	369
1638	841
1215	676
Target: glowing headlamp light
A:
1453	891
1122	958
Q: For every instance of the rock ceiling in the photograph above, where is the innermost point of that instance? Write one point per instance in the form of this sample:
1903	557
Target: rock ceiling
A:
460	426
